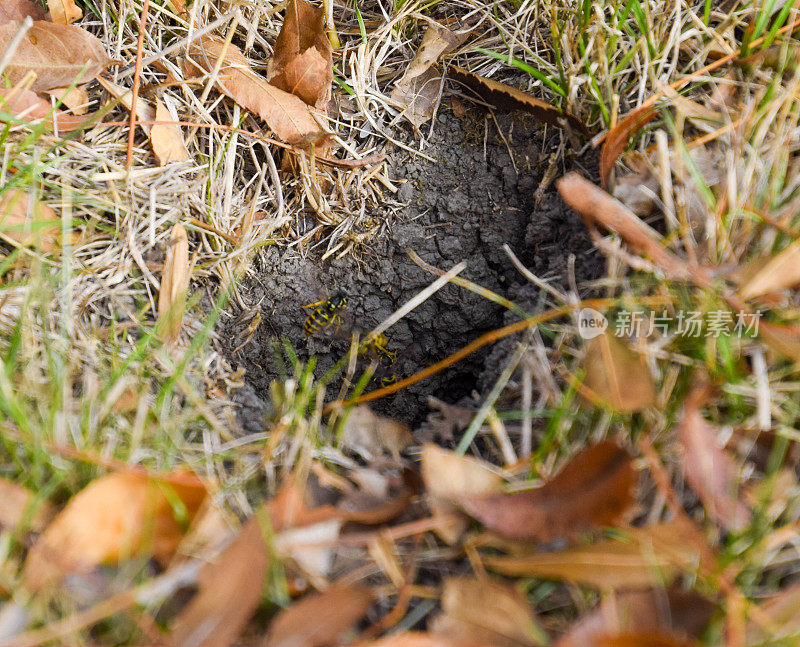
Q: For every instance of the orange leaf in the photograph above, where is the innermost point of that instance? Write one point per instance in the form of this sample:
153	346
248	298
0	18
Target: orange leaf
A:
617	139
780	272
115	517
506	97
28	106
57	54
284	113
64	12
595	489
618	375
167	140
303	59
18	505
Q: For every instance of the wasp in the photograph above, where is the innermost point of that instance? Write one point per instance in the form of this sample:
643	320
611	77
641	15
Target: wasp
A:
378	347
325	314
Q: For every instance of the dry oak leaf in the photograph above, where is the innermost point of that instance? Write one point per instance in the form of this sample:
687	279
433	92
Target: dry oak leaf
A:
76	99
118	516
418	90
448	476
174	284
29	106
21	9
57	54
708	468
595	489
506	97
286	114
229	592
617	375
489	610
303	60
64	12
319	619
41	228
643	557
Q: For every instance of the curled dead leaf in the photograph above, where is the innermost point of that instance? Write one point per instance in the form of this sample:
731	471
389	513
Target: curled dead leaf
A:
57	54
598	207
28	106
167	140
64	12
506	97
448	476
617	139
319	619
595	489
303	59
418	90
117	516
617	375
283	112
488	610
371	435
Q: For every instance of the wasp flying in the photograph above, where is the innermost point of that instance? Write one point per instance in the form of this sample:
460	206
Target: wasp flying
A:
325	314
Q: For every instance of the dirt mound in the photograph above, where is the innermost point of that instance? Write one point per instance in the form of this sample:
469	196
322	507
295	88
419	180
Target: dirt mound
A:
478	196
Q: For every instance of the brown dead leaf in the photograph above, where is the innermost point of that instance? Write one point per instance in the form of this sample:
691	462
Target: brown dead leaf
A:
595	489
319	619
283	112
167	140
448	476
370	435
117	516
21	9
28	106
659	612
41	228
18	505
617	139
644	557
617	375
64	12
784	339
597	206
780	272
57	54
174	284
505	97
643	640
418	90
303	59
487	610
708	468
229	592
75	99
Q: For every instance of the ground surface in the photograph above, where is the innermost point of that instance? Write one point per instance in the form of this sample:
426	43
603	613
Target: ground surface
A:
464	207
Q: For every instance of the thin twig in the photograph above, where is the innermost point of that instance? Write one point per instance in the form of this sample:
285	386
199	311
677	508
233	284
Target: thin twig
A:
137	81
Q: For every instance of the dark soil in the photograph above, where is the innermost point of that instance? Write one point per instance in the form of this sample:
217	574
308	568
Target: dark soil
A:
463	208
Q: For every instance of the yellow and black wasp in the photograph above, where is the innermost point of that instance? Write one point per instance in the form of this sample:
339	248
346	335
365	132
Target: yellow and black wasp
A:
325	315
378	347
